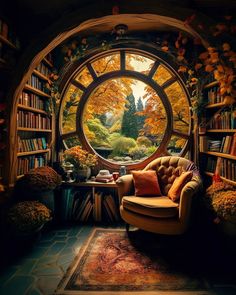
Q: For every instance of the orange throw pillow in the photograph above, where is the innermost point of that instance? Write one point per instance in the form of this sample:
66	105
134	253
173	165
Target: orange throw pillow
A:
146	183
178	184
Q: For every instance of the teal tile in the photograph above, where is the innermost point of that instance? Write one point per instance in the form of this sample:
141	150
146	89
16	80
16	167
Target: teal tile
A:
26	267
56	248
67	250
34	291
75	231
7	274
65	266
60	238
48	236
62	233
48	284
37	253
47	260
17	285
65	258
52	270
71	241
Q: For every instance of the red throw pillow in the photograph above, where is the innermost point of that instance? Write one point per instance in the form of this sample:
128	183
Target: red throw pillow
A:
179	182
146	183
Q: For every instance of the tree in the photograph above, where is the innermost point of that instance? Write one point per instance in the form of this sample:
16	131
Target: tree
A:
140	118
129	123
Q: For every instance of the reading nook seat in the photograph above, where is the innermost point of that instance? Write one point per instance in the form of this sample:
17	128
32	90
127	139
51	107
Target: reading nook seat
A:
168	212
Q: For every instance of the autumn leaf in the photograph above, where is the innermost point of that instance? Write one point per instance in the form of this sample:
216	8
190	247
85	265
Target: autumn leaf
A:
209	68
203	55
198	66
182	69
226	47
165	48
220	69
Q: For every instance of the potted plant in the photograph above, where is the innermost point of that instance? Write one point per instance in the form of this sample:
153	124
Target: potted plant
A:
28	217
40	183
82	161
221	199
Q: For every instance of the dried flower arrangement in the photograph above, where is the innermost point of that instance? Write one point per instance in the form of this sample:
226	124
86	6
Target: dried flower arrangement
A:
221	199
42	178
79	157
28	216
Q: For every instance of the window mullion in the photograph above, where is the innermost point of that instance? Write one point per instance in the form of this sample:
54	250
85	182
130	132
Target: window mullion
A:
153	69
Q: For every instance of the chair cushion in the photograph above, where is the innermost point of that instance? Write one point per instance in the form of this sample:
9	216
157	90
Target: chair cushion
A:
178	184
146	183
160	206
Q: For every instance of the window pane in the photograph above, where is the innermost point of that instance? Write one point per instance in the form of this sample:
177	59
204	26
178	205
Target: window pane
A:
72	141
84	77
107	64
180	107
69	108
176	145
138	63
161	75
124	120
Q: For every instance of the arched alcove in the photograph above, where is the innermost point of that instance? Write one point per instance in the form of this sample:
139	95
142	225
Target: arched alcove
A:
80	23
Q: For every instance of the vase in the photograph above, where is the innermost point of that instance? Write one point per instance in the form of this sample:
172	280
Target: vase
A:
83	174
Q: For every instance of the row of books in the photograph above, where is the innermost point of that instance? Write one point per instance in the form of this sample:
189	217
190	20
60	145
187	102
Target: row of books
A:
24	164
36	83
224	120
42	68
32	144
31	100
224	167
32	120
8	33
81	206
213	95
227	145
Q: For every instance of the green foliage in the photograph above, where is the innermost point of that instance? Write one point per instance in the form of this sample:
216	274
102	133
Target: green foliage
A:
129	126
140	118
150	150
138	152
122	145
143	140
113	137
101	133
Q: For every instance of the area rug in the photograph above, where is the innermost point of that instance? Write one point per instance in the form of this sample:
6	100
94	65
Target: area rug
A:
113	262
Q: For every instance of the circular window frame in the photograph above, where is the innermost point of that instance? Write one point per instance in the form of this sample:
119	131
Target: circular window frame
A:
122	72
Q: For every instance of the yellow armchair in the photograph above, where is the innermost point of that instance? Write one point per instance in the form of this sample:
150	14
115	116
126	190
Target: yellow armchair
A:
159	214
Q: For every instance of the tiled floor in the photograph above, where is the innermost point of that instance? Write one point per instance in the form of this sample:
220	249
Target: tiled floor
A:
39	269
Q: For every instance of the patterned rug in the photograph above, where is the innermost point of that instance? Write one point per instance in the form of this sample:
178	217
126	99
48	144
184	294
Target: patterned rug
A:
112	262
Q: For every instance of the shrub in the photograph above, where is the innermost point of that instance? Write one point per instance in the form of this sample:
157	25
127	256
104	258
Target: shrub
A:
122	145
144	141
138	152
151	150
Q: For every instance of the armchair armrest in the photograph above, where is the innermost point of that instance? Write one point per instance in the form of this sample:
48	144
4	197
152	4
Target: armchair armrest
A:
125	186
191	188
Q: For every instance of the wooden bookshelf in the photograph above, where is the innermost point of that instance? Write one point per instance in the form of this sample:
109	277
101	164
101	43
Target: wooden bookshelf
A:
22	154
7	42
222	155
210	174
48	62
219	135
23	107
40	75
36	91
33	129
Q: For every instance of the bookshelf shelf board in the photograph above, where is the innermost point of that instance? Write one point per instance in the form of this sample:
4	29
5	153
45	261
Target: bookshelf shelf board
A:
40	75
221	130
216	105
32	109
21	154
7	42
36	91
19	176
227	156
33	129
212	84
48	62
210	174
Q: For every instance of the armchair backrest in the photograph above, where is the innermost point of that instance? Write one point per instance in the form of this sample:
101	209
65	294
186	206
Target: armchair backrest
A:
170	167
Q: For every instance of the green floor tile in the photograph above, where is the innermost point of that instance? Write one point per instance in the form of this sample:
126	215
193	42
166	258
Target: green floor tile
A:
56	248
17	285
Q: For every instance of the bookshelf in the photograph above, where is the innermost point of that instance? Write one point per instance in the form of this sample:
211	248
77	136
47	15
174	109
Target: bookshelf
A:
9	50
34	121
89	201
217	135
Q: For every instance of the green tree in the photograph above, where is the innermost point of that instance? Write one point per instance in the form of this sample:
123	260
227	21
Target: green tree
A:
140	118
129	122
